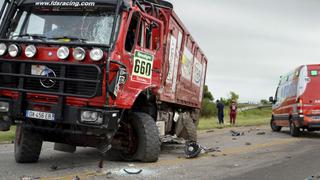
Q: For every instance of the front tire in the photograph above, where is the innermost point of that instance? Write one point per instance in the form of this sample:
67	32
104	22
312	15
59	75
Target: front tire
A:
146	138
27	145
294	131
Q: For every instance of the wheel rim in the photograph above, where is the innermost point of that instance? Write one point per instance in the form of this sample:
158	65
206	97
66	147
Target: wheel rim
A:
131	138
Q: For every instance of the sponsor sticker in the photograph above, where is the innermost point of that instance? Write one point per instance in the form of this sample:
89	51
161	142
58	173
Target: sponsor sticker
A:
142	67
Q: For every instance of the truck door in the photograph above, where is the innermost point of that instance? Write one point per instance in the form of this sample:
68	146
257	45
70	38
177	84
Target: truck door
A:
173	56
146	51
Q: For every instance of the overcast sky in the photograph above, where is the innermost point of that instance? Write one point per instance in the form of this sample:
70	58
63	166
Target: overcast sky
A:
251	43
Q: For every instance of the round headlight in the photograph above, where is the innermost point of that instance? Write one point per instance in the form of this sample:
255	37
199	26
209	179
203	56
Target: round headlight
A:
14	50
3	49
63	52
79	54
96	54
30	51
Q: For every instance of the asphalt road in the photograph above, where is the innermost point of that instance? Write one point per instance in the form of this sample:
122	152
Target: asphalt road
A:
258	154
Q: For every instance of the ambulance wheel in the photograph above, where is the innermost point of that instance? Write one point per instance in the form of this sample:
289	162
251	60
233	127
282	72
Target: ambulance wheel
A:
294	131
274	127
143	138
27	145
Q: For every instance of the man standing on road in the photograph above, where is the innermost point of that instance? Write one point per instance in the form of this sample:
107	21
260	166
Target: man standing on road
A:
220	108
233	113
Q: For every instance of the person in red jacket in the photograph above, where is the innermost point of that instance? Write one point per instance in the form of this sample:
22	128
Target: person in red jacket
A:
233	113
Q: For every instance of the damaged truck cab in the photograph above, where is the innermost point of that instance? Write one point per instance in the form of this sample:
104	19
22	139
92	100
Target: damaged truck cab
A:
118	74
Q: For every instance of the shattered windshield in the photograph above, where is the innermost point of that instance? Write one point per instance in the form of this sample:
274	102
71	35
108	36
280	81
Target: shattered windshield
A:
83	26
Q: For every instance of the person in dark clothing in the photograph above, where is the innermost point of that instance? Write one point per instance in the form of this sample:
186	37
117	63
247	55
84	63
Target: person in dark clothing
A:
220	108
233	113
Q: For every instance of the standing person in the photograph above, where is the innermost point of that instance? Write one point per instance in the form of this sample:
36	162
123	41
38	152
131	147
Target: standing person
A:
220	108
233	113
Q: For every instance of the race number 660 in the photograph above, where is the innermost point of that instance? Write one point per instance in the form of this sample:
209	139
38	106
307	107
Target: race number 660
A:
142	67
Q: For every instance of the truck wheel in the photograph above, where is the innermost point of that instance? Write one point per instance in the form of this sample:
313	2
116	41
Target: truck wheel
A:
27	145
274	127
294	131
189	132
144	138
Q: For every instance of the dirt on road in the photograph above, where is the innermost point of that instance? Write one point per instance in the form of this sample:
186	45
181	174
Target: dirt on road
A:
254	148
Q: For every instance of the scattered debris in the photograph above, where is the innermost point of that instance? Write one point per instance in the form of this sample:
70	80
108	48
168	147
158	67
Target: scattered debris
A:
172	139
132	171
53	167
213	155
209	150
131	165
236	133
248	144
192	150
313	177
108	175
236	165
76	178
234	139
224	154
261	133
288	157
210	131
29	178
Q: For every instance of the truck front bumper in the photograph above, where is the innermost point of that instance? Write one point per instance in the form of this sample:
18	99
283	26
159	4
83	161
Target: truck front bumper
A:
66	115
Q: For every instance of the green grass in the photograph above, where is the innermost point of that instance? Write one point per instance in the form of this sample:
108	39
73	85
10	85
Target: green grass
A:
8	136
248	118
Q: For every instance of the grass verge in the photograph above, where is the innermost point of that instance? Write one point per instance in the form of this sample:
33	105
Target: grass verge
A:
253	117
8	136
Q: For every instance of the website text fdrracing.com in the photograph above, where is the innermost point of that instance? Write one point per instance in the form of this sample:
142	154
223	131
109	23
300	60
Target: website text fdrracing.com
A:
65	3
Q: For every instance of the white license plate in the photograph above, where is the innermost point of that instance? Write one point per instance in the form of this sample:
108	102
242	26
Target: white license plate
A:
40	115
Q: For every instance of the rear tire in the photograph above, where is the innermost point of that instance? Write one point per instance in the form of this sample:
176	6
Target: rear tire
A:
189	132
294	131
148	140
274	127
27	145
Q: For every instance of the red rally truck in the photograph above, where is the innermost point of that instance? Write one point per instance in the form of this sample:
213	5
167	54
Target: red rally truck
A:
118	74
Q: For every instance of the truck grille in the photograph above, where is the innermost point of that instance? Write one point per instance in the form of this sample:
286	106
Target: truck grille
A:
65	79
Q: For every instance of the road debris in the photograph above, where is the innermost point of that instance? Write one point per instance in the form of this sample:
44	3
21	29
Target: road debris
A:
248	144
29	178
261	133
316	177
172	139
210	131
236	133
53	167
132	171
193	149
76	178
